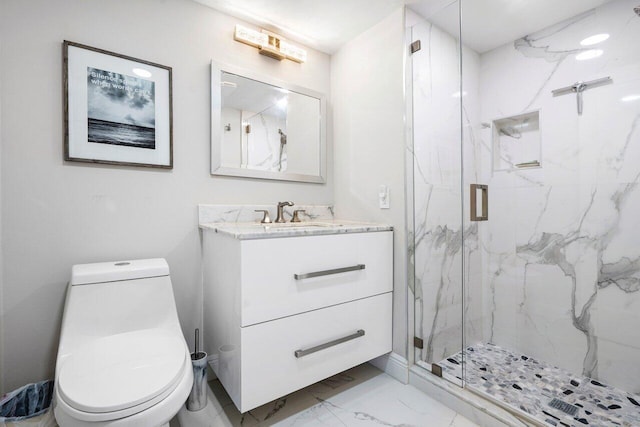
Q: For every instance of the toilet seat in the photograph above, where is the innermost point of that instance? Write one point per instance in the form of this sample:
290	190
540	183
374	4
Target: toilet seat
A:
122	374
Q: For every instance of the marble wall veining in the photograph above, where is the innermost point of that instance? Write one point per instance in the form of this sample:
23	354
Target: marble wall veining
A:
247	213
436	248
561	259
264	150
555	272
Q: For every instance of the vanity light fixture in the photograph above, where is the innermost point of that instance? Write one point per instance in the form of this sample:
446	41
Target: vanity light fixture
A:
293	52
270	44
272	47
251	37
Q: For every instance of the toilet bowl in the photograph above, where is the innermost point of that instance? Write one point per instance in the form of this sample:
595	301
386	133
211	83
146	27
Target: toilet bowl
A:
122	358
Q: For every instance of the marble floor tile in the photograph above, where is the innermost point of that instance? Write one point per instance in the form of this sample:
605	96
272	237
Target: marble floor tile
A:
547	393
362	396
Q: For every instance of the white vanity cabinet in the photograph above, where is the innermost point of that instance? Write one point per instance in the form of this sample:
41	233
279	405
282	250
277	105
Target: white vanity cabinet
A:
281	313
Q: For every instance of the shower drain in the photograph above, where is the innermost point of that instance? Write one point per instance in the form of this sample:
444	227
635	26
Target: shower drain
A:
565	407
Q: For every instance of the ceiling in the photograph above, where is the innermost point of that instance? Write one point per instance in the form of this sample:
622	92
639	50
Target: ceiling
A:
326	25
487	24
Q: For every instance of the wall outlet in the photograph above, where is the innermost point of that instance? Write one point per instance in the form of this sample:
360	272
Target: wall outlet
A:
383	197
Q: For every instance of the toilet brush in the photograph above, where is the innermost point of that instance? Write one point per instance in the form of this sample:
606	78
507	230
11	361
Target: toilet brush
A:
198	397
196	345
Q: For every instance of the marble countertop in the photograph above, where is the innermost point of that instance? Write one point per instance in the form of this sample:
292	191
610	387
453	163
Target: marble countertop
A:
256	230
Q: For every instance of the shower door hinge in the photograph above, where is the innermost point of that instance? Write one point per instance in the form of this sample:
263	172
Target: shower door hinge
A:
436	370
415	46
418	342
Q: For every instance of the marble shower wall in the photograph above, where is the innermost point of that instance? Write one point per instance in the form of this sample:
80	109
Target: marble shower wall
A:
561	258
555	272
263	143
436	247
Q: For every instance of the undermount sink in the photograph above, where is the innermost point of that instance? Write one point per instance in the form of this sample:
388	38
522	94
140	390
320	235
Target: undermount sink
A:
297	224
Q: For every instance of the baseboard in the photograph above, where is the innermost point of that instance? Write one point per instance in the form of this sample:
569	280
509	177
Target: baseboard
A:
468	404
394	365
212	362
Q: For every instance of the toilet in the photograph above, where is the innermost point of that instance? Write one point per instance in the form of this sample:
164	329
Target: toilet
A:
122	358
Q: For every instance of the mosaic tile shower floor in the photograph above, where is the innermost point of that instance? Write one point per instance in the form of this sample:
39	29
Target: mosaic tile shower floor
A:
530	385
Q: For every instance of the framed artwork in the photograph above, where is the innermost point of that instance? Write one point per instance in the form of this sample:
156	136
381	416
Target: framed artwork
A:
118	109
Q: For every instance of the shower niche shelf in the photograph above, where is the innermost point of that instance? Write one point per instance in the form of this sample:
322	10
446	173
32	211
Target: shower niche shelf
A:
516	142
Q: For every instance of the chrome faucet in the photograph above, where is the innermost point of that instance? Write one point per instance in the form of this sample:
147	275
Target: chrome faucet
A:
281	205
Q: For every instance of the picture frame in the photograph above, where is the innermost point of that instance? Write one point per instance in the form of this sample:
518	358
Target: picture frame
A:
117	109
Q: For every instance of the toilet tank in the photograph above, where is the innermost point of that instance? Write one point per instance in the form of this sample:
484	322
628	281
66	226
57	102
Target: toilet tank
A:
115	297
101	272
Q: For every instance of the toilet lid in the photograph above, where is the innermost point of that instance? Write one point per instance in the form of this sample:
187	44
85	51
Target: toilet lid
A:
121	371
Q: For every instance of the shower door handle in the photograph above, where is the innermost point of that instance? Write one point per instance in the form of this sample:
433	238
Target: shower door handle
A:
474	202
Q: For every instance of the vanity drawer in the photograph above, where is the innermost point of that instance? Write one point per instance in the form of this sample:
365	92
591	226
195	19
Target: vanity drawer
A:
270	368
343	267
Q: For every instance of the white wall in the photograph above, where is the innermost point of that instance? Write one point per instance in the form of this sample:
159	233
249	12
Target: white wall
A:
368	117
55	213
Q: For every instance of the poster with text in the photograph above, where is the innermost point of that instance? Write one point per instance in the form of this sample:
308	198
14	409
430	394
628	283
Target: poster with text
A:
118	109
121	109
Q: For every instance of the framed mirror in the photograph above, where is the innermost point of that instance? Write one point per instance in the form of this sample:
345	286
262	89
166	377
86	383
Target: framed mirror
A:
265	128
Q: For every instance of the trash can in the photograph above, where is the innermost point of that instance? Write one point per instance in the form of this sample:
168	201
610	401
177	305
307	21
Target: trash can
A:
28	406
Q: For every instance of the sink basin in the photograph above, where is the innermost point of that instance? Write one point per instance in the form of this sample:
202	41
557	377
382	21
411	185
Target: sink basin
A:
274	225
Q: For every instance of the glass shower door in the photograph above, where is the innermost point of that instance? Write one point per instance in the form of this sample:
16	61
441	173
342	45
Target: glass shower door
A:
437	254
551	125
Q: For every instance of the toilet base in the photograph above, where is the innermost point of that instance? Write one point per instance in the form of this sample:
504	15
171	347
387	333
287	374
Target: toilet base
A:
157	415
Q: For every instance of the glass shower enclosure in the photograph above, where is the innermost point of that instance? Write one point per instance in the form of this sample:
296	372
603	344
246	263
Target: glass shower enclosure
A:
525	261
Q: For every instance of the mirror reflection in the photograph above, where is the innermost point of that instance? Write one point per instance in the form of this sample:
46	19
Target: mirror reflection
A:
267	130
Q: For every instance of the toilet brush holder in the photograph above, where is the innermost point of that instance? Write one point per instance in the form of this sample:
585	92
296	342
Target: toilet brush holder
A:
198	397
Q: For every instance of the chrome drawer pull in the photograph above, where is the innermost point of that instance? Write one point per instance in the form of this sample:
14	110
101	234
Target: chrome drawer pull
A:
328	272
301	353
